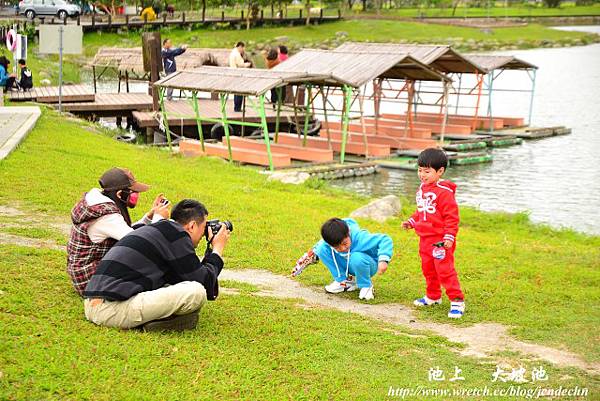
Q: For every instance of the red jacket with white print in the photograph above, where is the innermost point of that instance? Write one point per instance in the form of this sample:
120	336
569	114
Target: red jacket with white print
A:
437	211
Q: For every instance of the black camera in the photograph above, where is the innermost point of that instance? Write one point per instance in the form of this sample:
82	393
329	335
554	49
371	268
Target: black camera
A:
215	226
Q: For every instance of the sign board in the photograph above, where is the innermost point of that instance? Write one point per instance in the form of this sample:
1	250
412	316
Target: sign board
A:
21	50
72	38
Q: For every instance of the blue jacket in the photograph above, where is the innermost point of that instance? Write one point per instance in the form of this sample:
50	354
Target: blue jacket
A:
3	76
168	57
378	246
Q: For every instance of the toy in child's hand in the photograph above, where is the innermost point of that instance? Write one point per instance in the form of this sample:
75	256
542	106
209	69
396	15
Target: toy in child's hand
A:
309	258
439	244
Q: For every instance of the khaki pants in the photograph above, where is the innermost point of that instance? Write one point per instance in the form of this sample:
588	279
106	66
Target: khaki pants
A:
179	299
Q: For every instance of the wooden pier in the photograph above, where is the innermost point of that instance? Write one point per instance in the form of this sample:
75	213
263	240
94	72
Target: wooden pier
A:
49	94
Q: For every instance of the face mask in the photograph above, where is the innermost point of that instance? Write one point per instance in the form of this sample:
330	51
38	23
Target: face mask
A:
131	198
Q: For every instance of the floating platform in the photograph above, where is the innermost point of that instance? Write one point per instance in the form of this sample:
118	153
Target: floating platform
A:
49	94
529	132
336	171
407	160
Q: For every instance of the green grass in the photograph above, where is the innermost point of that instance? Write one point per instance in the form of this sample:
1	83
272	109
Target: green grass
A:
462	38
498	11
244	348
541	282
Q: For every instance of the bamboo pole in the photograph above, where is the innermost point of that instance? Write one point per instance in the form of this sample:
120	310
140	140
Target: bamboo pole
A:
263	120
307	112
346	121
324	97
163	109
223	98
362	120
198	120
278	115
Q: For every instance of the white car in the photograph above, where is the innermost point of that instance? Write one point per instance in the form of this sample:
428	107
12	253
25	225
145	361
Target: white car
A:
58	8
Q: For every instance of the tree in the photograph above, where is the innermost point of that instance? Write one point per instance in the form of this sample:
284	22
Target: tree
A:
552	3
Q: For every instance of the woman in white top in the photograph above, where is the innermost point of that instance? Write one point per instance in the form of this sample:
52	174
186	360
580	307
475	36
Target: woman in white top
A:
101	218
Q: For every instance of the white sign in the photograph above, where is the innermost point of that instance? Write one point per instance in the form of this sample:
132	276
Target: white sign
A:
72	38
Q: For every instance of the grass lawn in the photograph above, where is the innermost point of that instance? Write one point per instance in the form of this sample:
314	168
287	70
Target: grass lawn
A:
245	348
498	11
542	283
46	67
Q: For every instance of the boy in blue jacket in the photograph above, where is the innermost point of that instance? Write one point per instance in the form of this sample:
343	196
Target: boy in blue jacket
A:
352	256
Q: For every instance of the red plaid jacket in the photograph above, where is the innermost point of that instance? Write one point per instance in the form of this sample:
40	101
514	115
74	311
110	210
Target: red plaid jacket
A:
83	256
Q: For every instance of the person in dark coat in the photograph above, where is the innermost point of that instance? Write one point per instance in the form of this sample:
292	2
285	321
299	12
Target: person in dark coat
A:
26	81
168	54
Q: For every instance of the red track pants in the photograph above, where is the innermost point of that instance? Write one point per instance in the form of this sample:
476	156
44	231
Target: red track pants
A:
439	272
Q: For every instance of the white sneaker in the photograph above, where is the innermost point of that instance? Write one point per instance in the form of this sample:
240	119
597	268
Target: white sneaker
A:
426	301
367	293
457	309
337	287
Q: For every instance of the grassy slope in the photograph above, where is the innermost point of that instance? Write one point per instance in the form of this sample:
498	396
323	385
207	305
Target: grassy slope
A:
498	11
246	347
540	281
302	36
358	30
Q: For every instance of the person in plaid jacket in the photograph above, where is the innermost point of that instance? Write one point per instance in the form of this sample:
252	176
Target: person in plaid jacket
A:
101	218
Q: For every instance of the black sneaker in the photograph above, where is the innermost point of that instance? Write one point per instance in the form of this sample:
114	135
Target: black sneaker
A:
173	323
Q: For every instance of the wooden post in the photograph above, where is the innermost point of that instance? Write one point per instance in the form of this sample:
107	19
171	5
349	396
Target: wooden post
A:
94	73
127	80
152	62
127	21
145	19
93	20
262	15
242	15
109	20
78	20
321	14
339	14
165	19
222	16
300	14
183	18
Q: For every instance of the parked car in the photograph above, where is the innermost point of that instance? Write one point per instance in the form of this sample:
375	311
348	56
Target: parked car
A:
59	8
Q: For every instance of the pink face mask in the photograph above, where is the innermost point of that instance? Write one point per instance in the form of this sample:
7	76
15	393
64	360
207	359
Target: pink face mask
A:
132	199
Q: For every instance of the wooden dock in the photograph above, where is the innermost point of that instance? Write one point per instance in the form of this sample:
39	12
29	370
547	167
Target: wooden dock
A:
111	105
180	113
49	94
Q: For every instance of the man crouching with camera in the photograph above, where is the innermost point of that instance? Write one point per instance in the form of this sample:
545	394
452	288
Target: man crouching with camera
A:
153	278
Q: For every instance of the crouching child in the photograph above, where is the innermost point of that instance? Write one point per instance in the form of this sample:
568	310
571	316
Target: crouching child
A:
351	254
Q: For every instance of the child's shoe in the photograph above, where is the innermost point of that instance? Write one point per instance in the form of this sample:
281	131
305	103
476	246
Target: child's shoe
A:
426	301
457	309
340	286
367	293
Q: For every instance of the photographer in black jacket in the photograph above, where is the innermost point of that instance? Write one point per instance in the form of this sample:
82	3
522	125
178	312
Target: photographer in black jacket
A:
154	275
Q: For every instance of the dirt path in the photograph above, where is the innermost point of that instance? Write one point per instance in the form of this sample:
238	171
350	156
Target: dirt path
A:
480	340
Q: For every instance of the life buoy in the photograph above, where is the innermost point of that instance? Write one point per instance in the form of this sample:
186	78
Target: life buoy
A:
11	40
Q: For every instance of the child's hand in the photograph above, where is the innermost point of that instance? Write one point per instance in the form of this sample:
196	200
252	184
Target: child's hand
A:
382	267
406	225
448	244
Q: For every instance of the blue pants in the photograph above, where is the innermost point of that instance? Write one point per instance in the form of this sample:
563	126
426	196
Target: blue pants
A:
362	266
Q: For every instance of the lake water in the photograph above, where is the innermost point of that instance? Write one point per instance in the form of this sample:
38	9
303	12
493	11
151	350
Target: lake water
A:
556	180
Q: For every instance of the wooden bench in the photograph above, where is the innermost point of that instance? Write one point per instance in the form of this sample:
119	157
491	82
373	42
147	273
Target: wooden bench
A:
192	147
322	143
309	154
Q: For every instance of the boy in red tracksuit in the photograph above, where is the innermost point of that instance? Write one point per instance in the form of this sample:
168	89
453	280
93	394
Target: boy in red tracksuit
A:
436	224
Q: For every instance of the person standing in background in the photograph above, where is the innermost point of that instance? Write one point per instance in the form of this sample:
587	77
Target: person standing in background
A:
236	60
